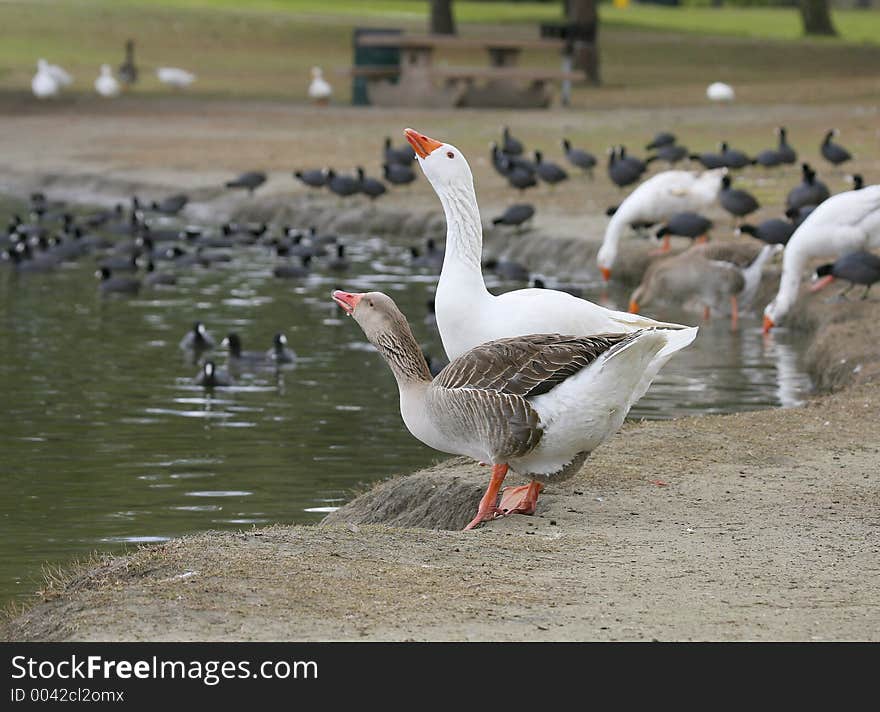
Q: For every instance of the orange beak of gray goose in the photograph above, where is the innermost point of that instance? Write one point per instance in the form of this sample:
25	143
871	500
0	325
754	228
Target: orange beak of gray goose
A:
346	300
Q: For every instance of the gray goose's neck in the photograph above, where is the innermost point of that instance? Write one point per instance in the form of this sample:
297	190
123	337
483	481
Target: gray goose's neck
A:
403	356
464	231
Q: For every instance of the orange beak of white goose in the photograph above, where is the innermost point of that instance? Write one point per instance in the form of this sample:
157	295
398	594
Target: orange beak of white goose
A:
768	324
606	274
346	300
422	145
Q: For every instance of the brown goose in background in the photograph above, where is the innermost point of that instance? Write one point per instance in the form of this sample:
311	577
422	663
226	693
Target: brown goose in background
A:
537	404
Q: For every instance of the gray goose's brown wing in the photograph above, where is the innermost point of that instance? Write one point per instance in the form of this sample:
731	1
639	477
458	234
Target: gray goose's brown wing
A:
740	254
526	365
486	390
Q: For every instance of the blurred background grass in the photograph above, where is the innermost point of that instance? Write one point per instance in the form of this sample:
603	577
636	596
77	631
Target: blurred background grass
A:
264	48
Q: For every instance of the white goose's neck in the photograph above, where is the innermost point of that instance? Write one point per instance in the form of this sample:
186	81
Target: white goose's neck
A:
793	262
464	235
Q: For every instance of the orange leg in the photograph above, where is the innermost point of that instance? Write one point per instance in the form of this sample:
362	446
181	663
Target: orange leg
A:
706	313
664	248
701	239
520	500
734	314
487	509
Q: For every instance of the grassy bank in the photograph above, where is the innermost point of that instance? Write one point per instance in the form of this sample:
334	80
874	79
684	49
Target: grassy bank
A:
266	49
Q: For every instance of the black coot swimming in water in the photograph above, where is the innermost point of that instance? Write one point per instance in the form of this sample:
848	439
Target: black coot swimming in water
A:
197	339
117	285
280	353
212	377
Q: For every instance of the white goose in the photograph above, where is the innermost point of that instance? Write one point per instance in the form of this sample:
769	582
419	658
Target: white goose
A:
843	223
719	91
46	82
106	84
658	199
467	313
539	404
320	90
175	77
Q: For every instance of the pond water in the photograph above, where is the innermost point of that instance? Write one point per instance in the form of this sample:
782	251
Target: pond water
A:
105	442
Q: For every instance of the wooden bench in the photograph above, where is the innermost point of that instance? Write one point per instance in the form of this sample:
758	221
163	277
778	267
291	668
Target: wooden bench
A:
417	81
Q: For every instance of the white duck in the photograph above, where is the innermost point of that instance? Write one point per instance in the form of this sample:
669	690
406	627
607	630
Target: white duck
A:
656	200
539	404
467	313
843	223
175	77
719	91
320	90
106	84
45	82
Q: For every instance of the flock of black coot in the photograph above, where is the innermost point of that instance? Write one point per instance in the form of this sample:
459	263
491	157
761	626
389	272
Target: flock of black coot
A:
140	247
198	343
509	159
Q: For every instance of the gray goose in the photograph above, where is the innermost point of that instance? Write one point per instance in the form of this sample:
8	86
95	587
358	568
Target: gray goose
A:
537	404
708	274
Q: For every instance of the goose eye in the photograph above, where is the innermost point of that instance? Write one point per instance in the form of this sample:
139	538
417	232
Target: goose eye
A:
450	154
370	303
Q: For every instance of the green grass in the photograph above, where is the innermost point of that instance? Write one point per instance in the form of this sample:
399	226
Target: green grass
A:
768	23
264	48
764	23
412	10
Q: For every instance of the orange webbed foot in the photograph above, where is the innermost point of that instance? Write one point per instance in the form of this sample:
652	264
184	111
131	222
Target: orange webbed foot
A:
520	500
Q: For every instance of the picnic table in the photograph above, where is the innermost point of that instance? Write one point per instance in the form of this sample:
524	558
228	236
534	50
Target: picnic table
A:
418	81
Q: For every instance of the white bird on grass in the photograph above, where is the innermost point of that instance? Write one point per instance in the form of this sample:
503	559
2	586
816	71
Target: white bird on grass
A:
320	90
175	77
719	91
106	84
44	84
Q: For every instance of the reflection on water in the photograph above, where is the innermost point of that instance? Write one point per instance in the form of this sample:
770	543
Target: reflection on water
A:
106	443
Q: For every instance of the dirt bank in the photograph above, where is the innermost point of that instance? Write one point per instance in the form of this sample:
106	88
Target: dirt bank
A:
750	526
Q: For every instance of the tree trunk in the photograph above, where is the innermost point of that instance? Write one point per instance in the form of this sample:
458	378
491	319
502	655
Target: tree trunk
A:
586	53
816	17
442	21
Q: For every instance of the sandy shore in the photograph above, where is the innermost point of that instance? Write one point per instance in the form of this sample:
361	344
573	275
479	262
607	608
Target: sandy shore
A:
750	526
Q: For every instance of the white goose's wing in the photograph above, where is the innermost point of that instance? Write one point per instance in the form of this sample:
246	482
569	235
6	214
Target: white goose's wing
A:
849	208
